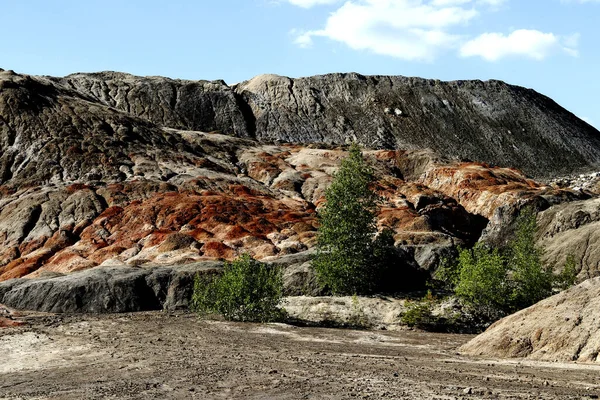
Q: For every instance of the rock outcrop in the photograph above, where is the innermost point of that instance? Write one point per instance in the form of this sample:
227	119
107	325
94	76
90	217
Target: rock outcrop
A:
107	289
189	105
114	170
572	229
489	121
564	327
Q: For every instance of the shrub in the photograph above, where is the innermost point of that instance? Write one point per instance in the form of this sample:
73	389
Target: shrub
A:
494	282
568	275
358	318
531	280
247	290
482	279
351	258
419	315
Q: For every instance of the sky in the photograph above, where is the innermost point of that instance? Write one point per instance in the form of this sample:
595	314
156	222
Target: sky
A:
552	46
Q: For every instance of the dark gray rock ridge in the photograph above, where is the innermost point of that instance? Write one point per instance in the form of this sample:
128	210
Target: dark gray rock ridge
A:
490	121
117	289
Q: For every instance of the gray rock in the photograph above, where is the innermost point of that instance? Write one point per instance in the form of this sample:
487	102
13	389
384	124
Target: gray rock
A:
562	328
107	289
192	105
572	229
483	121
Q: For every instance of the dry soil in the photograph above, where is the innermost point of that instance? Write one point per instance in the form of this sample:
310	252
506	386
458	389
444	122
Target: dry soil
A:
160	355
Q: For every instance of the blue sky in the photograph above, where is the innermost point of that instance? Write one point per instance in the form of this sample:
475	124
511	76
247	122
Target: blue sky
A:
552	46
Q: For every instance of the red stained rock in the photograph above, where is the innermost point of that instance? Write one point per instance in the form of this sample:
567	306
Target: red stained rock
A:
271	211
218	250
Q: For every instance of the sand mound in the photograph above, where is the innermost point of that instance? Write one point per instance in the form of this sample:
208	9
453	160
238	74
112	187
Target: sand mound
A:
564	327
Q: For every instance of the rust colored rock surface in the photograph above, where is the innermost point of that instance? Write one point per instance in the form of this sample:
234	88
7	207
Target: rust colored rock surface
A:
91	176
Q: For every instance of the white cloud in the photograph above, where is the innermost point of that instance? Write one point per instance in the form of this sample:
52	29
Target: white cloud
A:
419	30
523	42
311	3
303	39
494	3
407	29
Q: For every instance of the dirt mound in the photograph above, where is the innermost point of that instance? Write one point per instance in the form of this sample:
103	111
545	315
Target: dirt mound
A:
564	327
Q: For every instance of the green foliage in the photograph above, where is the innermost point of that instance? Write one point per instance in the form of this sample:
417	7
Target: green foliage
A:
482	278
358	319
531	280
351	258
446	275
568	275
494	282
419	313
246	291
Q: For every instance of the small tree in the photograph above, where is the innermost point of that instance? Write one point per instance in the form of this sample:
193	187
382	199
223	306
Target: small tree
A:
497	282
568	275
350	256
532	281
247	290
482	279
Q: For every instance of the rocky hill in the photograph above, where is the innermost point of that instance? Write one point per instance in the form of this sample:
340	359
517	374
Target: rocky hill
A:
490	122
116	170
563	327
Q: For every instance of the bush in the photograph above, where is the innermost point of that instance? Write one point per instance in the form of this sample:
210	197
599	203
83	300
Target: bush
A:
568	275
496	282
482	279
247	290
351	258
419	314
531	280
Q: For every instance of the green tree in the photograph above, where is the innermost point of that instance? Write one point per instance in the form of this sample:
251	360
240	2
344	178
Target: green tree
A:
532	281
482	279
351	257
568	275
496	282
247	290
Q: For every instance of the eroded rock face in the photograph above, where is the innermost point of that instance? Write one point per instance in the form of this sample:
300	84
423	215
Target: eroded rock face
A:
483	121
563	327
263	204
572	229
107	289
489	121
96	169
191	105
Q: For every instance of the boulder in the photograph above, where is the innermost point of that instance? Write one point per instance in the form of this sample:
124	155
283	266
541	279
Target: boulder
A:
106	290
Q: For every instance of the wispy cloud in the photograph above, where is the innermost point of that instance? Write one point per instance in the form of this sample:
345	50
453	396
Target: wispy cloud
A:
406	29
420	30
523	42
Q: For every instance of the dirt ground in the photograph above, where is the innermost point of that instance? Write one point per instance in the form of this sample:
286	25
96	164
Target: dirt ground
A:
160	355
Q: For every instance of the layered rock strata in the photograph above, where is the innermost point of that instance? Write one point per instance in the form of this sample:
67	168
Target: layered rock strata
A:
114	170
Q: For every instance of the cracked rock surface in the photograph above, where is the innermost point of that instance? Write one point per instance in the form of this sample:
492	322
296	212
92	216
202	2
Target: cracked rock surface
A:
114	170
564	327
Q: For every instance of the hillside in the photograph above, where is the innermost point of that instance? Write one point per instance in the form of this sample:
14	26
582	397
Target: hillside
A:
112	169
490	122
